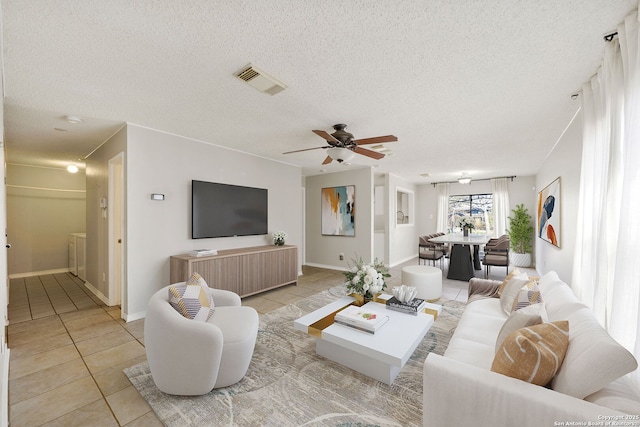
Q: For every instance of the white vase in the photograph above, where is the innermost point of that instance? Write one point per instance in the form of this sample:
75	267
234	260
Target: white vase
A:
520	260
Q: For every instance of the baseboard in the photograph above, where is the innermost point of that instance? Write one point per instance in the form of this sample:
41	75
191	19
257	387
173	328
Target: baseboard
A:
4	386
135	316
38	273
328	267
97	293
404	260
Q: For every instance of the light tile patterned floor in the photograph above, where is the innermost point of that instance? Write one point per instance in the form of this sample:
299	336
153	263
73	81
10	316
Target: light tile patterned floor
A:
68	349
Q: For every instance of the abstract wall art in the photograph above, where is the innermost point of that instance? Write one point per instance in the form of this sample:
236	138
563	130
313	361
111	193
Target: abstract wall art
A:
338	211
549	213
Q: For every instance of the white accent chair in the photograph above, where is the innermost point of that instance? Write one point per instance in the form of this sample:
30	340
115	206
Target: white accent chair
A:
189	357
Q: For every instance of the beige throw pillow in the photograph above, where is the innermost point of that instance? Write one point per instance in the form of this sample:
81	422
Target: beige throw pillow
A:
514	273
533	354
510	292
528	316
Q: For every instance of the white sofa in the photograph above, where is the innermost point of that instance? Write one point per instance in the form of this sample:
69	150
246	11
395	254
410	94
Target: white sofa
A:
461	390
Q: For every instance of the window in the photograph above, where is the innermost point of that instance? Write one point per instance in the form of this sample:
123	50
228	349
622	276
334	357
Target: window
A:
477	206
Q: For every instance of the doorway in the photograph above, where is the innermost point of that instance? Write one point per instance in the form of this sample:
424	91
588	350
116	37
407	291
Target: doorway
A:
116	229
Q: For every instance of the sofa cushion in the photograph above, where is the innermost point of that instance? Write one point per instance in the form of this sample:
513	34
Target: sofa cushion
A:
533	354
594	359
511	290
528	316
192	299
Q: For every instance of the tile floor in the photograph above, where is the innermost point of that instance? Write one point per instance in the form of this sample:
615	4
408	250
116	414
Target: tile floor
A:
68	349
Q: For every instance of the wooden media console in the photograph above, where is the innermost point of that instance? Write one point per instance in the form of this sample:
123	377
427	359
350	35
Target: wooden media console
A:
245	271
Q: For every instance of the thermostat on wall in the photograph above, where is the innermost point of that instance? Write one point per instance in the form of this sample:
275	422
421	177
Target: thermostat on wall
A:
155	196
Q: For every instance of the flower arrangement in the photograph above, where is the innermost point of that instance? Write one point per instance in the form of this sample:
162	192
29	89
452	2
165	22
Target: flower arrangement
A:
466	223
366	279
279	237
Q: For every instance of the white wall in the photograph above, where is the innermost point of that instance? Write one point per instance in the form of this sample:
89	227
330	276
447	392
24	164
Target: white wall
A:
323	251
402	240
157	162
97	225
564	162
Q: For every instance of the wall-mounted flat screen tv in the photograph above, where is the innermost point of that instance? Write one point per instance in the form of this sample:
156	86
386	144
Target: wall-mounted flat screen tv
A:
224	210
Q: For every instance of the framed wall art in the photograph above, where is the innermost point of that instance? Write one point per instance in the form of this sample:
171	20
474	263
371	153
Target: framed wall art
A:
338	211
549	213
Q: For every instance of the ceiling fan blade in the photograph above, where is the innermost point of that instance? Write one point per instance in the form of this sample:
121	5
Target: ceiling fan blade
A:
327	160
329	138
369	153
307	149
376	140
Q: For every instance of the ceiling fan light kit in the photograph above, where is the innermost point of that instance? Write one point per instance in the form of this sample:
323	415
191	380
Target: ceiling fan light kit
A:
340	154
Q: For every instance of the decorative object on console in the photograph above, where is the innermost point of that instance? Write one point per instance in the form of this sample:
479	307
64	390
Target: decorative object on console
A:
337	211
366	279
279	237
520	234
203	252
549	213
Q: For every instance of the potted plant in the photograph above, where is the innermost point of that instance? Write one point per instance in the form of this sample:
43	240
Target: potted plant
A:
466	223
520	235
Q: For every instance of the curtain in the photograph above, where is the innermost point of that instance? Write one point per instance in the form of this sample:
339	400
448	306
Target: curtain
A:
607	245
443	207
501	211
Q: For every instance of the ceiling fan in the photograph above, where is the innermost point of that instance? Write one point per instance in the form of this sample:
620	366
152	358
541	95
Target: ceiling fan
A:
342	146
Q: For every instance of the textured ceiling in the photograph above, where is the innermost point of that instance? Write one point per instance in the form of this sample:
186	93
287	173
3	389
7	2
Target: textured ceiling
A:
482	87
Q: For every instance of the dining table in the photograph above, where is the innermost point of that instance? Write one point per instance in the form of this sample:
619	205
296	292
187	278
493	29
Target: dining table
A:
461	262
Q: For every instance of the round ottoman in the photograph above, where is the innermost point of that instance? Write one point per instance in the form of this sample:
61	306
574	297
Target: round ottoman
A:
426	279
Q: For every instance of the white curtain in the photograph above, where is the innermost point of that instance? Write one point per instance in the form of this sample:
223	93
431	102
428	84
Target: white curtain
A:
443	207
607	245
501	211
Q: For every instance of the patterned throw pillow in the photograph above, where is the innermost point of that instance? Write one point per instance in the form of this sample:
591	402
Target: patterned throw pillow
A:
192	299
529	294
533	354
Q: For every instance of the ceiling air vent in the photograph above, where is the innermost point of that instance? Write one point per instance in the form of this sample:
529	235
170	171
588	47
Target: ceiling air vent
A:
261	80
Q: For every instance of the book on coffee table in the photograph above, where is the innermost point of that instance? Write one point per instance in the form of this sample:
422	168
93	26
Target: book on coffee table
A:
360	318
414	306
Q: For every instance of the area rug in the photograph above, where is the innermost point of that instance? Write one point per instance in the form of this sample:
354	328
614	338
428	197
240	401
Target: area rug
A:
287	384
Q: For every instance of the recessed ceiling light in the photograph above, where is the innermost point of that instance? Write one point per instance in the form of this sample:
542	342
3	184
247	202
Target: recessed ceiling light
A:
60	129
425	175
73	119
72	168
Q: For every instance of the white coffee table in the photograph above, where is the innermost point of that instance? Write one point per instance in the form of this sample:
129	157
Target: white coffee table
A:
381	355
